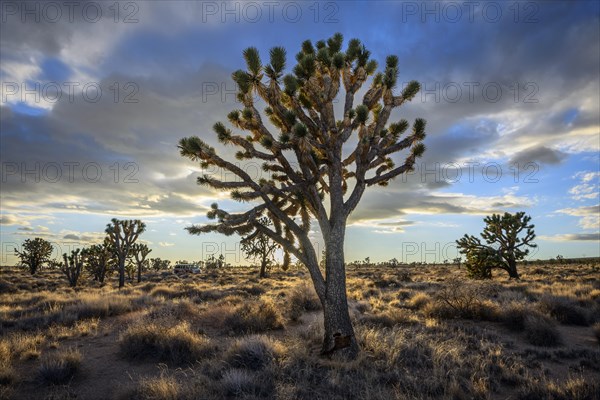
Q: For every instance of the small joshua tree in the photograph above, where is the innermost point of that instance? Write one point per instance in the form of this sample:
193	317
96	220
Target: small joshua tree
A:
140	252
158	264
123	235
72	266
260	247
319	165
99	258
35	253
503	246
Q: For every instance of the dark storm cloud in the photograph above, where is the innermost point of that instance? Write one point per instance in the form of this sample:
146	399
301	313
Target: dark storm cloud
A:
540	155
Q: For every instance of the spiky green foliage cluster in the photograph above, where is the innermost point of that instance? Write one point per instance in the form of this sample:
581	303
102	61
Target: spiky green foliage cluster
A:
34	253
99	259
503	248
72	266
123	235
304	155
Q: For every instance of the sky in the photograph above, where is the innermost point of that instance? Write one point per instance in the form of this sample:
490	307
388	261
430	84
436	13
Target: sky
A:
96	95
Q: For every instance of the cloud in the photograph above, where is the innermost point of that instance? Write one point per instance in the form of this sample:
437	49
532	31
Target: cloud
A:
590	215
6	219
165	244
572	237
539	154
589	187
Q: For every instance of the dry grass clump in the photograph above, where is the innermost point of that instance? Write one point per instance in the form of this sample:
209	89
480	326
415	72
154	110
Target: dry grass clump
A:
24	346
564	310
386	319
254	317
164	342
241	383
60	368
456	299
419	300
540	331
302	298
574	388
7	373
514	314
155	388
253	352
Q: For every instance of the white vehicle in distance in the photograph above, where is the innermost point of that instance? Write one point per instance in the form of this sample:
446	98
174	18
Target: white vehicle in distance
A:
187	269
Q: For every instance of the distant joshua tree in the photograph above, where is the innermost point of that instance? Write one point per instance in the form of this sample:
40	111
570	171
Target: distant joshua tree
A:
35	253
99	258
139	252
123	235
72	266
312	179
158	264
503	246
260	247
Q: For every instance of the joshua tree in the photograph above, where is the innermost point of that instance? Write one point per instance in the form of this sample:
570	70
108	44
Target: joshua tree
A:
140	252
35	253
306	158
504	247
259	246
98	259
123	235
158	264
457	261
72	266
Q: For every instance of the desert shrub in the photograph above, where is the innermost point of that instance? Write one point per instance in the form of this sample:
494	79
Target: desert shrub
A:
239	382
98	306
253	290
456	299
163	342
60	368
302	298
25	346
7	374
386	319
574	388
156	388
577	388
564	310
419	300
179	310
165	291
253	352
540	331
513	315
254	317
392	281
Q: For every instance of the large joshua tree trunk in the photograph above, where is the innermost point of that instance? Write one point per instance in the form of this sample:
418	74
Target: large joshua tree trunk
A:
263	268
339	333
121	273
512	268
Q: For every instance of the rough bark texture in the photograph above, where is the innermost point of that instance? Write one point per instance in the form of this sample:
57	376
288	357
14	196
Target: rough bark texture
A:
339	333
263	269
